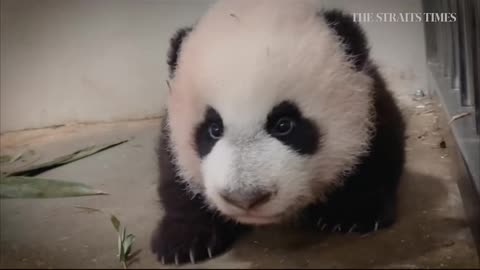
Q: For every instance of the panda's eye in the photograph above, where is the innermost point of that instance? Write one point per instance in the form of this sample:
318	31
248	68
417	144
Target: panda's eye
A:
283	126
215	131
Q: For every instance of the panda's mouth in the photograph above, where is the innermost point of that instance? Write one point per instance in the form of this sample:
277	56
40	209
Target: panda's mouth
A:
258	220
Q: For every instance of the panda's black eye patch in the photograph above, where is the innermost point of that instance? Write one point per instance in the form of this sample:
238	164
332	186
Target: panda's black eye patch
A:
286	123
208	132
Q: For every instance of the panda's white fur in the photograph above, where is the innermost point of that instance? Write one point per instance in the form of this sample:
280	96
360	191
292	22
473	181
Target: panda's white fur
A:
243	58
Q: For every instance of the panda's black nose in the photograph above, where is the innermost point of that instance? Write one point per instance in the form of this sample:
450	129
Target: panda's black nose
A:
246	200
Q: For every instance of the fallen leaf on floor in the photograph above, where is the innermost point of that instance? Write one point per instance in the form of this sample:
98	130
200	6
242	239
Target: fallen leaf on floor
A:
88	209
125	241
5	159
62	160
19	161
17	157
33	187
458	116
115	222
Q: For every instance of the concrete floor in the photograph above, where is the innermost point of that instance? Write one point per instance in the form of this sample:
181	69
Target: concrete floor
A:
431	231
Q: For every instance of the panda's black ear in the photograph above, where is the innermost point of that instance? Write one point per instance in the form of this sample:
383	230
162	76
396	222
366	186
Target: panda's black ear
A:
351	35
174	50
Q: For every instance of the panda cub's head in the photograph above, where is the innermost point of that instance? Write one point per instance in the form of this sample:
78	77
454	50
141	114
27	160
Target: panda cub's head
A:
269	106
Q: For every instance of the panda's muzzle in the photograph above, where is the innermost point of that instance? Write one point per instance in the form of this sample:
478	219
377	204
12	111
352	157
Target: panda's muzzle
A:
246	200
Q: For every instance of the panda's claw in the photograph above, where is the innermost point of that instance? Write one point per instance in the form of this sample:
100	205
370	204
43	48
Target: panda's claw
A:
319	222
365	235
192	256
352	228
336	228
209	251
376	226
323	227
176	259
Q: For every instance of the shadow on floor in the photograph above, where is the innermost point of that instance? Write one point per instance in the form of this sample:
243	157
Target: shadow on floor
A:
421	230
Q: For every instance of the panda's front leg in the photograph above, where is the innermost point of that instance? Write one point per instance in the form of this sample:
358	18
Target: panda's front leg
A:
353	213
189	232
183	239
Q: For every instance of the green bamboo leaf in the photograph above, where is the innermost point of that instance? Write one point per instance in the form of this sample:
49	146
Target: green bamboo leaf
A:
33	187
127	245
88	209
5	159
121	255
17	157
62	160
115	222
20	161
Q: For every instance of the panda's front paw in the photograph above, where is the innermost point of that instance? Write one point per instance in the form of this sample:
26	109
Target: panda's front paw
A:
361	215
179	241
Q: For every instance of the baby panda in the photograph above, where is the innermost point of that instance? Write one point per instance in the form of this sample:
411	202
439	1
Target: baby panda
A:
276	114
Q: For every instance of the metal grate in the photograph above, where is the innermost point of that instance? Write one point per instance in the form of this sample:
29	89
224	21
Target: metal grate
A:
453	49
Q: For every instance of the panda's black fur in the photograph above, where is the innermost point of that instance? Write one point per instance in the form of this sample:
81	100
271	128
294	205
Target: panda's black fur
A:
175	43
191	232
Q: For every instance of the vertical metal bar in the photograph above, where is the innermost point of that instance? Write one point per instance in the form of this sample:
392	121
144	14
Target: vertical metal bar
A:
447	41
476	62
455	67
466	55
430	34
440	30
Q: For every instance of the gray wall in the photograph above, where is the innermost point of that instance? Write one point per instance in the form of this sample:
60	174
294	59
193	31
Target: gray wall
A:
88	61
